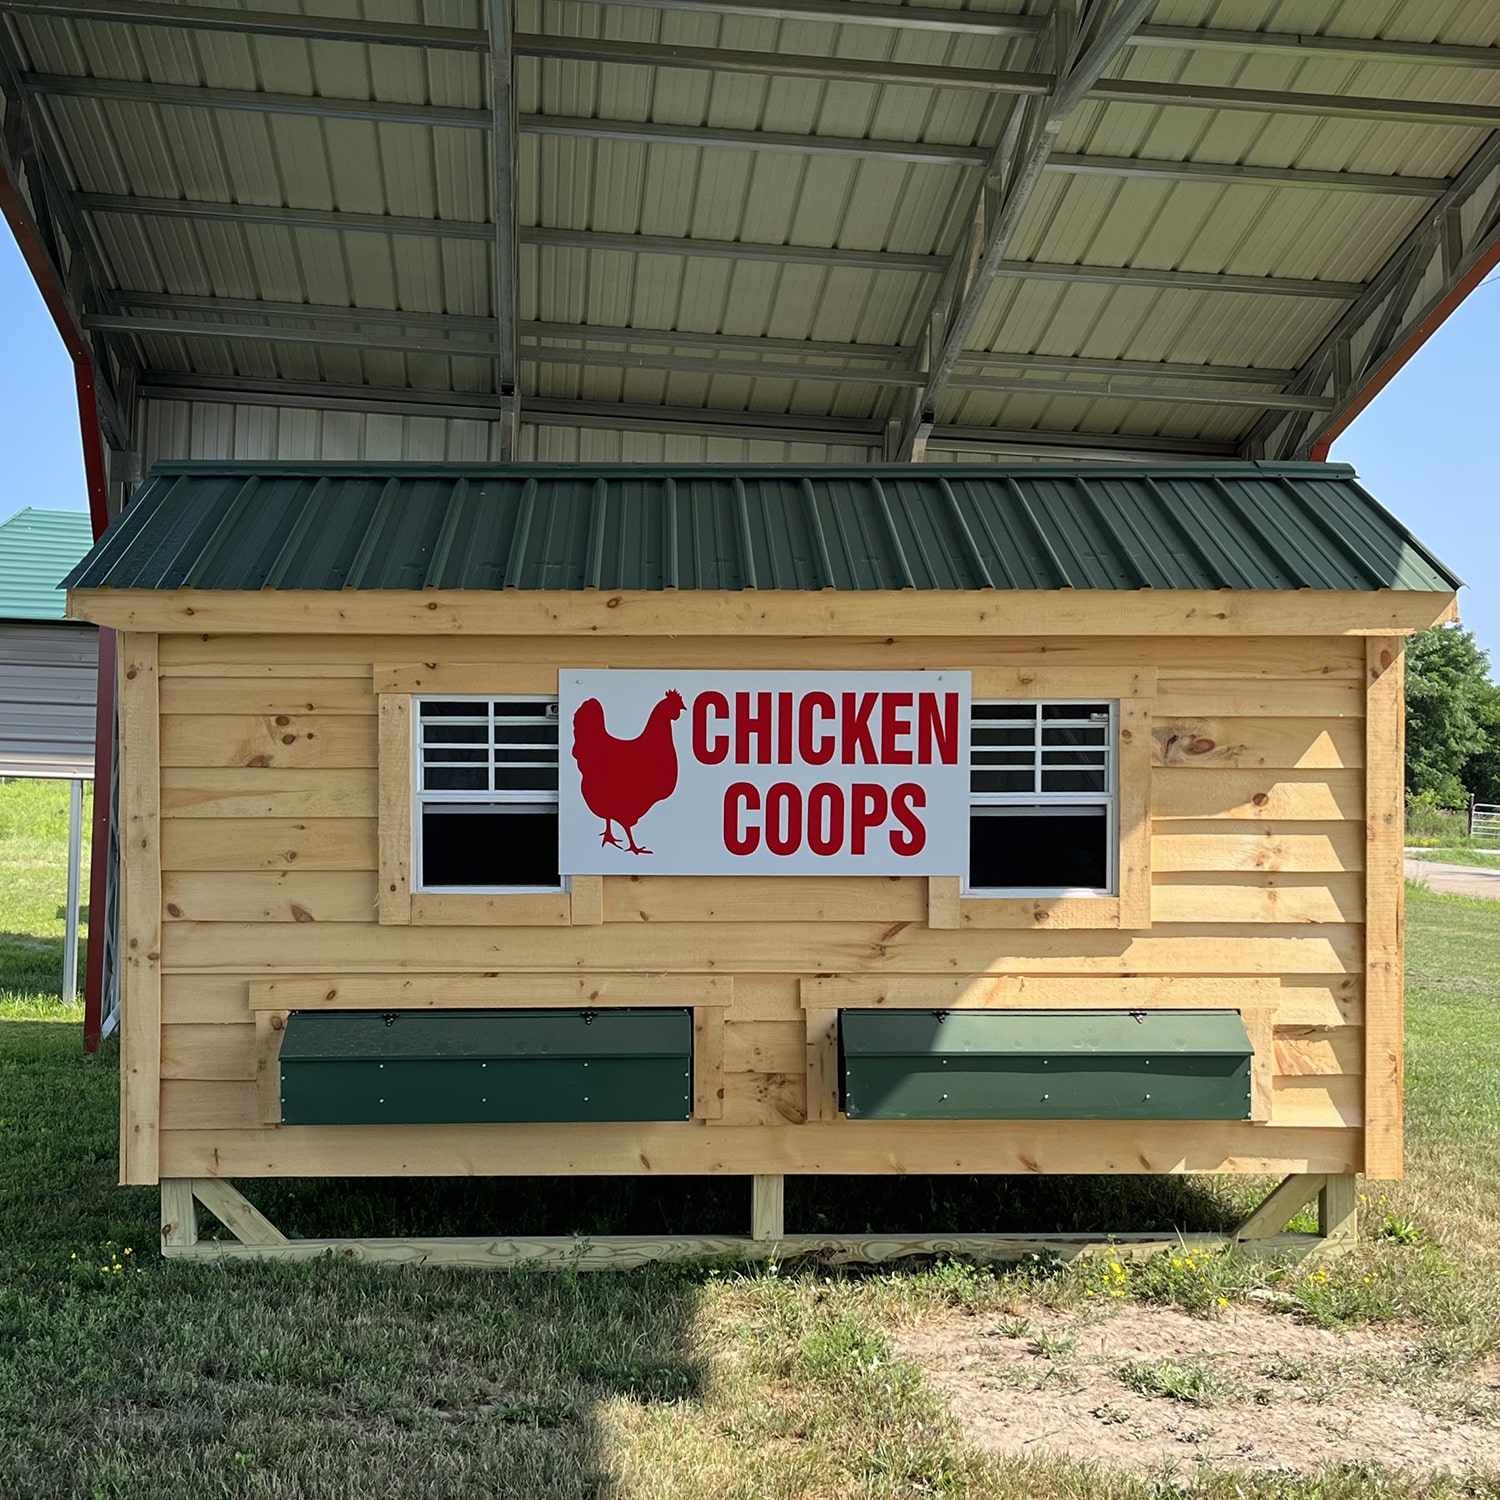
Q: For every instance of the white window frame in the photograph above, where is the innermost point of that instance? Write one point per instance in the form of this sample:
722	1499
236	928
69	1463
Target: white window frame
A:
1109	799
422	798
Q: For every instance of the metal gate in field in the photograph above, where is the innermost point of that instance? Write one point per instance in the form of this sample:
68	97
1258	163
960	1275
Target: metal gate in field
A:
1484	822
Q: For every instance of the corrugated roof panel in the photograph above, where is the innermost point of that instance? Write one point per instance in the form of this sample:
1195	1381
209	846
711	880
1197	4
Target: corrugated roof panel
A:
330	527
34	545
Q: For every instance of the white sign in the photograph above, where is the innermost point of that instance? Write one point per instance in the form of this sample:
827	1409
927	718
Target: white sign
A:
764	773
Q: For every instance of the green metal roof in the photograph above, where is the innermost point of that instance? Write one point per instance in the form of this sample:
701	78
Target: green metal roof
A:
924	526
35	547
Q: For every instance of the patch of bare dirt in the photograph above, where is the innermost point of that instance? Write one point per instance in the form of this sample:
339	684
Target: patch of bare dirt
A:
1141	1388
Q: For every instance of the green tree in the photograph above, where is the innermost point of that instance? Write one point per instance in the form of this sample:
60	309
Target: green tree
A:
1450	711
1482	773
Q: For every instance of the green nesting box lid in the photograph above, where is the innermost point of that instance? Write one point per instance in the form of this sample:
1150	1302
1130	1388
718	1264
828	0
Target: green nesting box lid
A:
486	1066
1046	1064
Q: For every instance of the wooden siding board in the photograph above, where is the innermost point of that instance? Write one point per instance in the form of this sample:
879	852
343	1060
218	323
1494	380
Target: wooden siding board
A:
140	909
269	844
1237	887
605	612
1385	897
814	1147
756	947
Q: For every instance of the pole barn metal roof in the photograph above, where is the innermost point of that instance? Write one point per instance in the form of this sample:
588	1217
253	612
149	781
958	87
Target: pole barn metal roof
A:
825	229
929	526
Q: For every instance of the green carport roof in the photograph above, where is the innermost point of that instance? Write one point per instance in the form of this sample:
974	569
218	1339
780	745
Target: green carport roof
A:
35	547
628	527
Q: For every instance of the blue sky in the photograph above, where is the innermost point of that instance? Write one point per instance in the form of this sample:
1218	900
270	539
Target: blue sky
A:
1426	447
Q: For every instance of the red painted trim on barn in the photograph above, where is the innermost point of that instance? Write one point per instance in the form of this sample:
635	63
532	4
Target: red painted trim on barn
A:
1404	352
23	226
104	750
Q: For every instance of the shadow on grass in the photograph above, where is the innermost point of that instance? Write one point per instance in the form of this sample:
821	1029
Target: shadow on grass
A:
324	1379
33	965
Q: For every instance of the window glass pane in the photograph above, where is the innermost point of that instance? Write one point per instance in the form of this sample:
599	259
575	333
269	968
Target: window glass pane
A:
451	733
1074	781
438	708
1075	711
984	779
1035	848
487	845
451	778
489	745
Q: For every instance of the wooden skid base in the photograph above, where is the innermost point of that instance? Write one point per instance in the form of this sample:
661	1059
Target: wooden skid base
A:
258	1239
620	1252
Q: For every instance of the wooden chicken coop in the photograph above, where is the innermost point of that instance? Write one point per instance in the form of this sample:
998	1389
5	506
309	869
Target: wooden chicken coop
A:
762	821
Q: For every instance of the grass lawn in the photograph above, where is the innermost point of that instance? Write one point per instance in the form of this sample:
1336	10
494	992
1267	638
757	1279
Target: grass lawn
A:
125	1376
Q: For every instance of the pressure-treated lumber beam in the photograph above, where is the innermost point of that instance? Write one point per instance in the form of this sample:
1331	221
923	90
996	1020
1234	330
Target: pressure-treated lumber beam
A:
622	1252
995	211
503	198
1453	248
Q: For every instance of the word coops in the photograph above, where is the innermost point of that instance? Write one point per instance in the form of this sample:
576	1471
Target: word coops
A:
840	731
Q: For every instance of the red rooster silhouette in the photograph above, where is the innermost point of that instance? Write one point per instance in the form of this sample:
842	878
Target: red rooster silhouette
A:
624	779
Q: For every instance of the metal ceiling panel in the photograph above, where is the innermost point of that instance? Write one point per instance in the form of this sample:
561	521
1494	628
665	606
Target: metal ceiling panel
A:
265	121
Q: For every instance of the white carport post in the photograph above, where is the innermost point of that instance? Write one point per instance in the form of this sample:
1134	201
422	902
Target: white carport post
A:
75	865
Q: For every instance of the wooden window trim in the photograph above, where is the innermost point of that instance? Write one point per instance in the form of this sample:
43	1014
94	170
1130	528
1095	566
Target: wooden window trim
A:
579	904
1129	909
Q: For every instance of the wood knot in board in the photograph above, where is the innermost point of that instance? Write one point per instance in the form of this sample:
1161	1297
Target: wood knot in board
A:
330	994
289	739
282	719
259	761
301	914
1260	799
432	604
277	1024
173	910
613	602
130	676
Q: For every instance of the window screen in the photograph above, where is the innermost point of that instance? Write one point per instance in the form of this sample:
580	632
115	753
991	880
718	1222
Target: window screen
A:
486	794
1042	797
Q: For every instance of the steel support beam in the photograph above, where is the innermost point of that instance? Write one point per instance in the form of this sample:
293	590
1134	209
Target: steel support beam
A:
276	217
1449	253
256	101
641	244
994	213
781	65
503	139
255	22
1234	174
1088	385
653	132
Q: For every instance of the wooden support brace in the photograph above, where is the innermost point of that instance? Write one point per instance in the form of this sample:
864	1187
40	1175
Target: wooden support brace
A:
237	1214
767	1208
1338	1208
179	1213
1284	1204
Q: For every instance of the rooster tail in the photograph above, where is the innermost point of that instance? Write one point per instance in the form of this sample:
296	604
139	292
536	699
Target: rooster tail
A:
588	727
